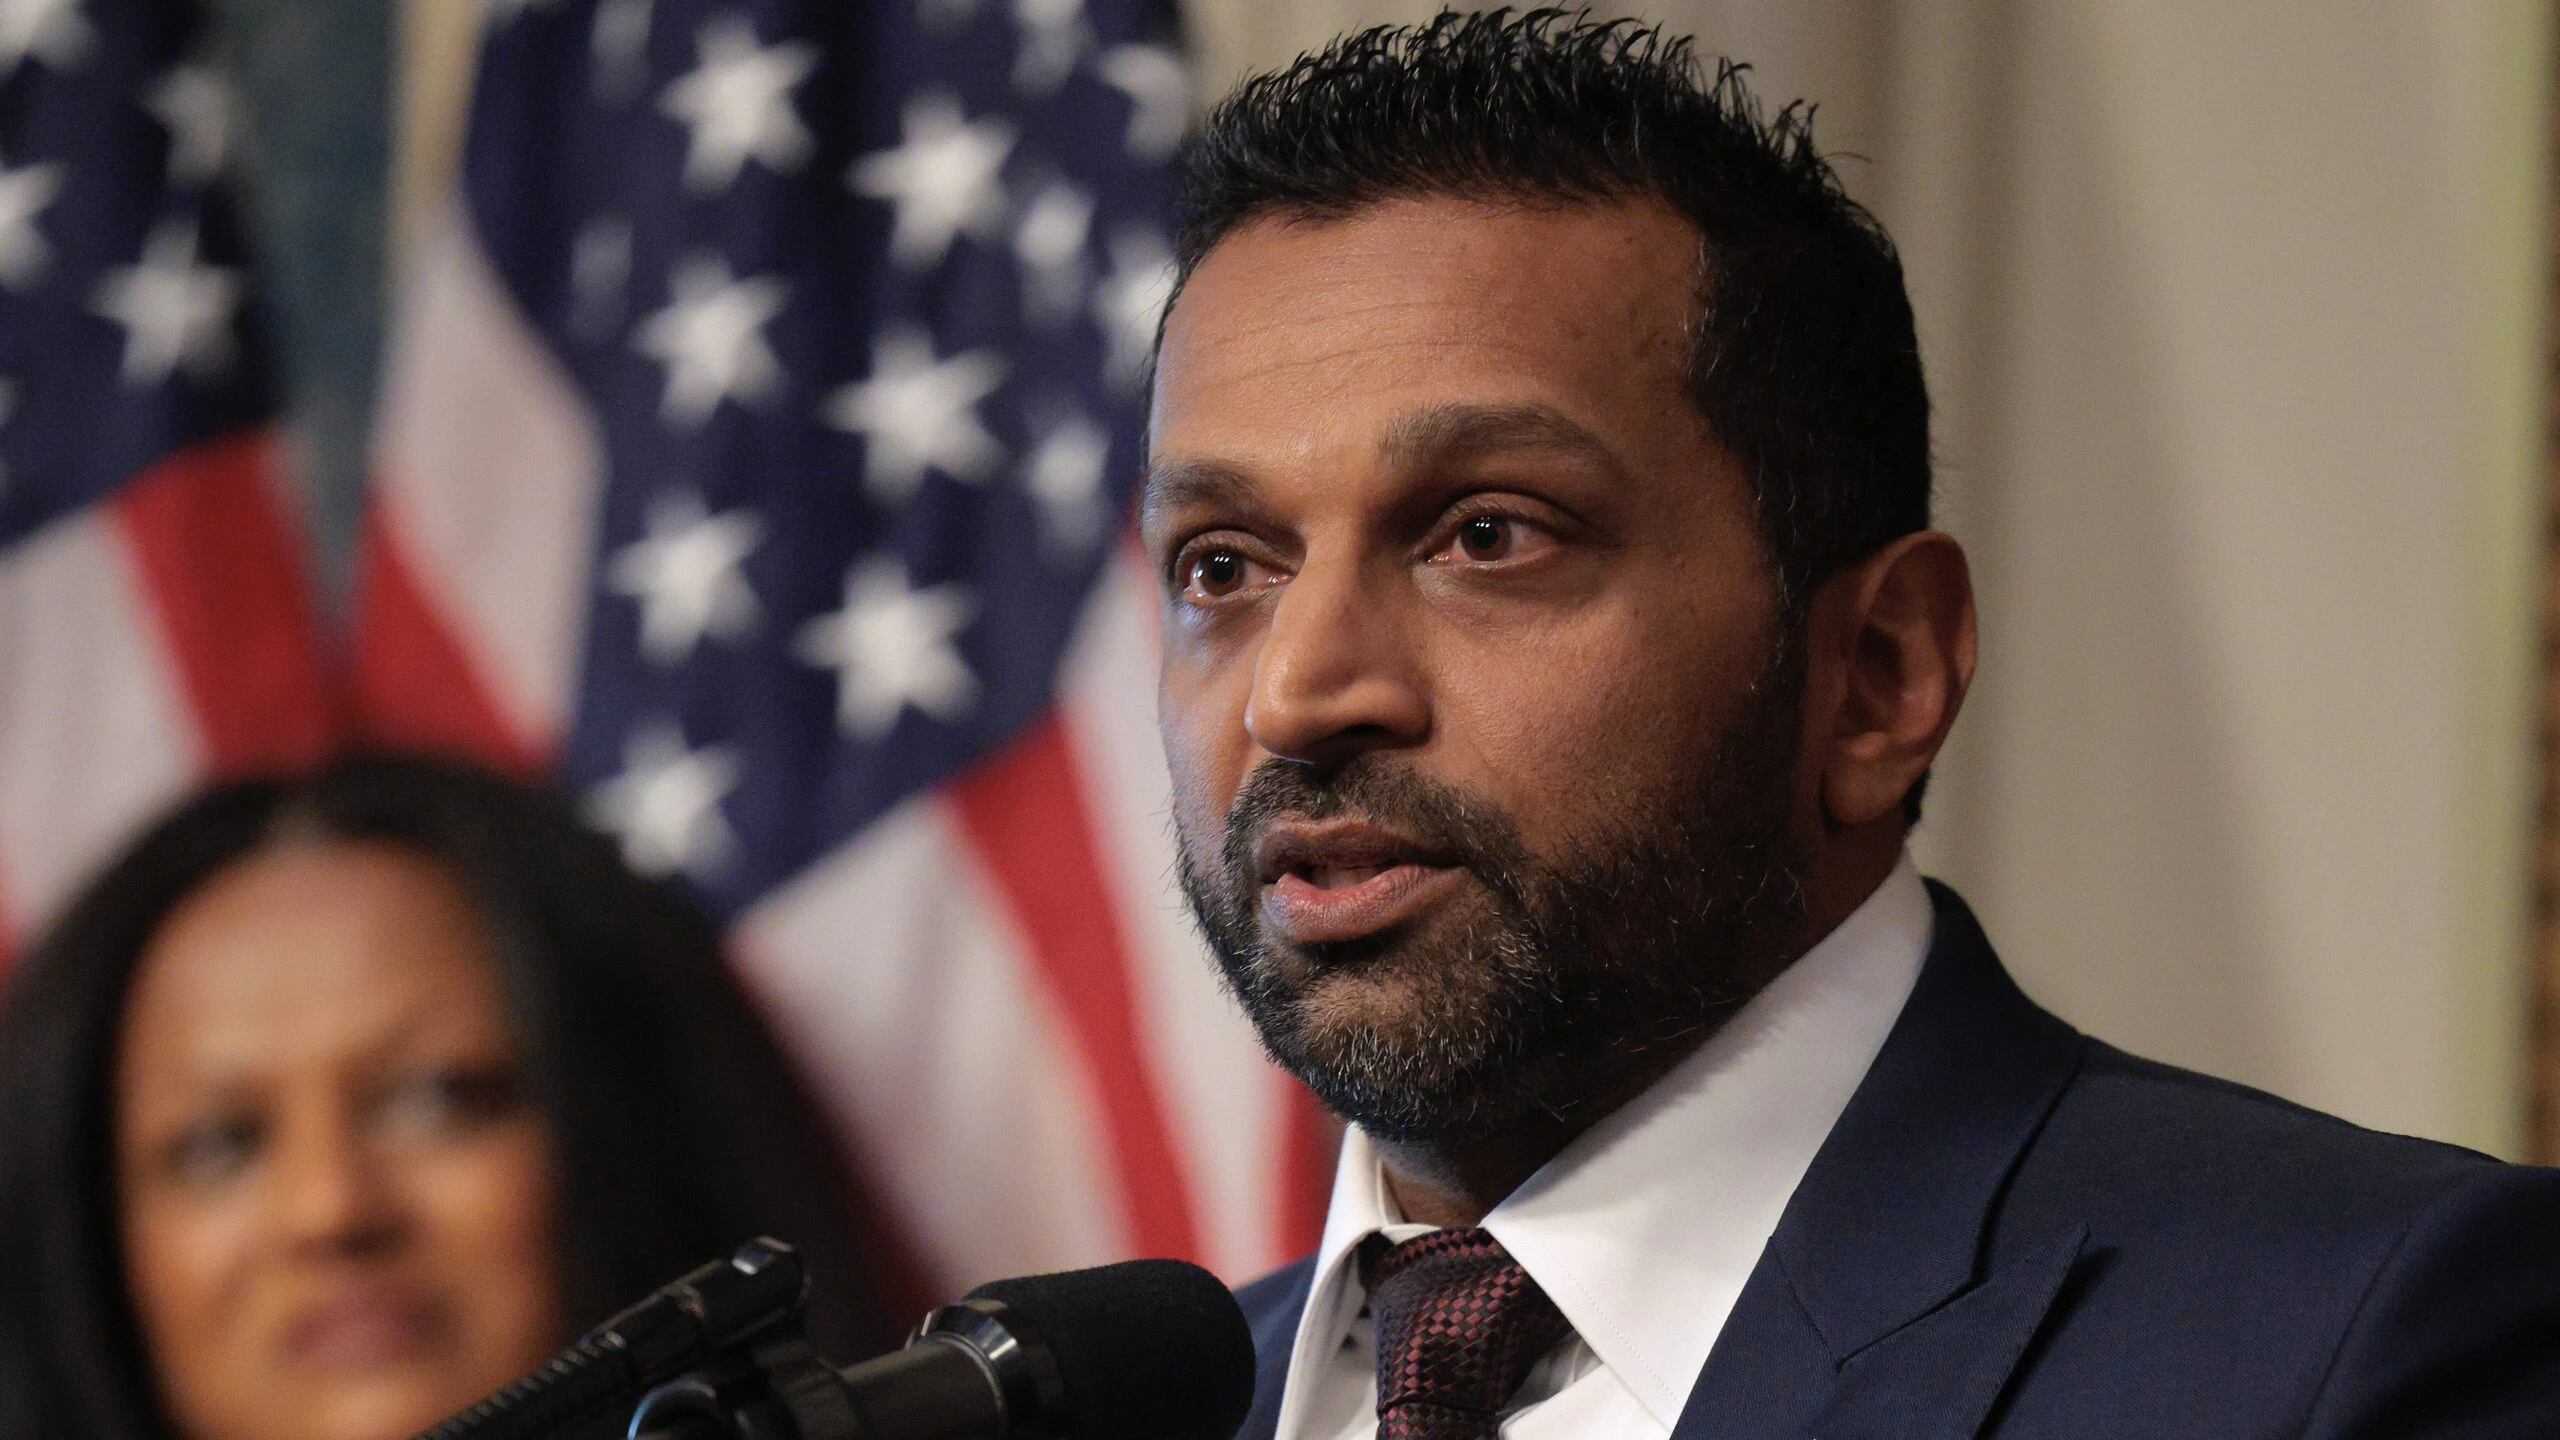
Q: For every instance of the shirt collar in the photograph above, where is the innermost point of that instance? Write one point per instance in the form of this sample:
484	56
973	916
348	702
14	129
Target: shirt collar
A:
1644	1230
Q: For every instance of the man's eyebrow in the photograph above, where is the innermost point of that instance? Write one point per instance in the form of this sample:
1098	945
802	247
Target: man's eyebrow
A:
1179	483
1458	430
1432	435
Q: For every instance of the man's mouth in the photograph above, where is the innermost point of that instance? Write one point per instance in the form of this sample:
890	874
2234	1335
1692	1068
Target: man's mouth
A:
1341	877
1331	881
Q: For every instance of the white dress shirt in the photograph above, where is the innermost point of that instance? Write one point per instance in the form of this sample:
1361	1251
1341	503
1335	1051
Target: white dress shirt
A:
1644	1229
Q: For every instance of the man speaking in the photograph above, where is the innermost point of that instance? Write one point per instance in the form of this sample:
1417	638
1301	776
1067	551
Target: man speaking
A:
1555	650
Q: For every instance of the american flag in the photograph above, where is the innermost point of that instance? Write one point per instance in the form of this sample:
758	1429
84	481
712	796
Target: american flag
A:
758	436
155	628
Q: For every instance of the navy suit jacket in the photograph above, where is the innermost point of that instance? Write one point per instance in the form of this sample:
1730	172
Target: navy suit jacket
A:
2017	1231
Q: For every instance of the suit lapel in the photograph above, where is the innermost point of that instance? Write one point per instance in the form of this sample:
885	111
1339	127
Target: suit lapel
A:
1936	1378
1873	1312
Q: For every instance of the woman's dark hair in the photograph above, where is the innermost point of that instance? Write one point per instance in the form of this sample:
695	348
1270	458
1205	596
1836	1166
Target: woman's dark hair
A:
677	1126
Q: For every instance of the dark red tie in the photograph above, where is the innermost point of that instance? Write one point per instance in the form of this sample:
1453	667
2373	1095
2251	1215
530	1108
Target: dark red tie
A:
1459	1325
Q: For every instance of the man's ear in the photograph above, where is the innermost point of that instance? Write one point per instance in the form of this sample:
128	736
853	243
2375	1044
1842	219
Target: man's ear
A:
1892	651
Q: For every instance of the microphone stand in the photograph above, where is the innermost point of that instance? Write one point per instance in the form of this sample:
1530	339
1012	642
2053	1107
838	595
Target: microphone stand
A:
713	1312
723	1354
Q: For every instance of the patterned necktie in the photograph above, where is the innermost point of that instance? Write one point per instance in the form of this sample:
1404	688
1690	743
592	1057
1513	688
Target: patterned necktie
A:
1460	1325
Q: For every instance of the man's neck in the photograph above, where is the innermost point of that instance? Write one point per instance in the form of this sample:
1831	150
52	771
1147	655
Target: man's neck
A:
1454	1184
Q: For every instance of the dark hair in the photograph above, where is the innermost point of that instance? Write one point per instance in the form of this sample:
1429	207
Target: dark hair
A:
1803	359
677	1126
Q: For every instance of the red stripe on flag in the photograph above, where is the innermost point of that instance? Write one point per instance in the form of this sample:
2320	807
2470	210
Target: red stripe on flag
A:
1310	1146
1024	809
414	688
224	573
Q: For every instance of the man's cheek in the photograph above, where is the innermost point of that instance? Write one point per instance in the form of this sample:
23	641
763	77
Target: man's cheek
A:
1189	765
1195	812
1548	769
1200	829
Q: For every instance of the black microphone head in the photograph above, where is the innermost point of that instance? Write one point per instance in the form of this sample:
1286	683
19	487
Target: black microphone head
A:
1146	1349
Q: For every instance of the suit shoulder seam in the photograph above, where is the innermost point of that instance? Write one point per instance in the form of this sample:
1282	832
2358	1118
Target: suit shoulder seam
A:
2142	1070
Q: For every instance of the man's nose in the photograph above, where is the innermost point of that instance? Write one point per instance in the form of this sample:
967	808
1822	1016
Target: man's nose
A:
1337	675
332	1194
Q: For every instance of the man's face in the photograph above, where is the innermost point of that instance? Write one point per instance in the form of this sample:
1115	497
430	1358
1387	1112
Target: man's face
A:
1483	735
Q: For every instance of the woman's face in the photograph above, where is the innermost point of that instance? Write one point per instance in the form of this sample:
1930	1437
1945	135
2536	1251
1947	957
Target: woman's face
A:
336	1198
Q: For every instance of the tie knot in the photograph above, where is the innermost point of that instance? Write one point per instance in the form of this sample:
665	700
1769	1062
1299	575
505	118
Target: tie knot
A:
1459	1326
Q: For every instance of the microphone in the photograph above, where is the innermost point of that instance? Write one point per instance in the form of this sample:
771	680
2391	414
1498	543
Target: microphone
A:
1143	1350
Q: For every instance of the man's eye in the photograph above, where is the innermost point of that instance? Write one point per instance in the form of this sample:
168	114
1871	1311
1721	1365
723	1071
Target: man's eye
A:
1484	539
1215	572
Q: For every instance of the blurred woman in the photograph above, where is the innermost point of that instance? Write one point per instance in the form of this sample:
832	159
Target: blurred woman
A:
335	1104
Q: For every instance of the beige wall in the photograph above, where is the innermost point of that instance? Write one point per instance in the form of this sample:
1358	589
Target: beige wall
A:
2233	313
2247	457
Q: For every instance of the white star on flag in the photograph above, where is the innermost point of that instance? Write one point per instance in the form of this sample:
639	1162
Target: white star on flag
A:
50	30
685	574
891	648
738	102
174	310
24	192
711	337
1129	301
194	106
1049	241
1064	473
665	805
1159	92
1053	38
943	179
918	413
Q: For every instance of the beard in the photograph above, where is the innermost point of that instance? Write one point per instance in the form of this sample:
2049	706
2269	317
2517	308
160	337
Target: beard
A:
1552	982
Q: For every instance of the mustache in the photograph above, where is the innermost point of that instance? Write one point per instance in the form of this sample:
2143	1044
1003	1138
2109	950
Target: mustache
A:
1443	818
